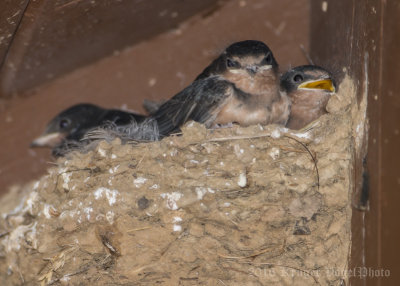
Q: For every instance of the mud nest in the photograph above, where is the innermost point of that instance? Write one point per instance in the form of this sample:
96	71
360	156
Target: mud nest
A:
260	205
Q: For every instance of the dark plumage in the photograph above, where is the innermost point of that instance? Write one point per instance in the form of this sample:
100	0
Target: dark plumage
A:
240	86
309	89
66	130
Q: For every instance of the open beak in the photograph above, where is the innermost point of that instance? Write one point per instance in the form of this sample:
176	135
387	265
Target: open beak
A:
48	140
325	84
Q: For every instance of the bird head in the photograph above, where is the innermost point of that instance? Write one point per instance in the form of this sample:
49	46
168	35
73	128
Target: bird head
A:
69	124
308	79
249	57
246	57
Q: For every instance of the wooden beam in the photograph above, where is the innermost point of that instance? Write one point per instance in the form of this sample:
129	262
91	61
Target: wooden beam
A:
363	37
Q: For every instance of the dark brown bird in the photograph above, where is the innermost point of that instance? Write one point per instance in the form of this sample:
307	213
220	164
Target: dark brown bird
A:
240	86
309	89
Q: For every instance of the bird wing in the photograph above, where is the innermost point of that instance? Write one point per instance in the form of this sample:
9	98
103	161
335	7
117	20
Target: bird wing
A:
120	117
200	101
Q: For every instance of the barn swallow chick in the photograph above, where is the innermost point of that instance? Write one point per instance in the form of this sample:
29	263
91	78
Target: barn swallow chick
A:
69	127
309	89
240	86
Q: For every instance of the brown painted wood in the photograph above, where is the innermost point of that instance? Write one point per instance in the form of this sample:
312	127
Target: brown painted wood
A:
55	37
11	13
389	141
363	37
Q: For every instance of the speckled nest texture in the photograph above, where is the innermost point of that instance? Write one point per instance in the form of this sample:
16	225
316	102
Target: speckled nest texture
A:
260	205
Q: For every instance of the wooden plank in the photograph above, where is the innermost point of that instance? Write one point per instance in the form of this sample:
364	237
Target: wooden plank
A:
55	37
363	37
11	13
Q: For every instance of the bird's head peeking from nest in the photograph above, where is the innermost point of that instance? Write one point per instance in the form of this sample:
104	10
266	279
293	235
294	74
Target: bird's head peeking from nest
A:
308	78
69	124
309	89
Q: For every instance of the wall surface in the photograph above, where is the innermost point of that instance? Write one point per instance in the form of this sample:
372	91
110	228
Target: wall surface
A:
50	38
363	37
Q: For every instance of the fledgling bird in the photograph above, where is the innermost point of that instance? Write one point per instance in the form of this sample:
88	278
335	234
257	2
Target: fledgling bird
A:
67	128
240	86
309	89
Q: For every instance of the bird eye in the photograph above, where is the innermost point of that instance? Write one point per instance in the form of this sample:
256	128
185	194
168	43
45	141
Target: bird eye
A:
298	78
64	123
267	60
232	64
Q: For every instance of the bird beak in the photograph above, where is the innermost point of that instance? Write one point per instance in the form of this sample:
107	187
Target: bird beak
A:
252	69
325	84
48	140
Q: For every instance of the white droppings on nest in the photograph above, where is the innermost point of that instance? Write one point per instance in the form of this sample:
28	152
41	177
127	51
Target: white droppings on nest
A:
154	187
238	151
190	124
87	211
242	182
111	195
177	227
200	192
304	135
226	204
66	176
30	202
276	134
65	279
113	156
67	213
113	170
46	211
274	153
138	182
110	217
102	152
177	219
13	241
171	199
62	170
20	207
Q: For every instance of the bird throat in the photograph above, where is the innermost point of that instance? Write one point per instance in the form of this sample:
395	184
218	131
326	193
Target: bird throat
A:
262	85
